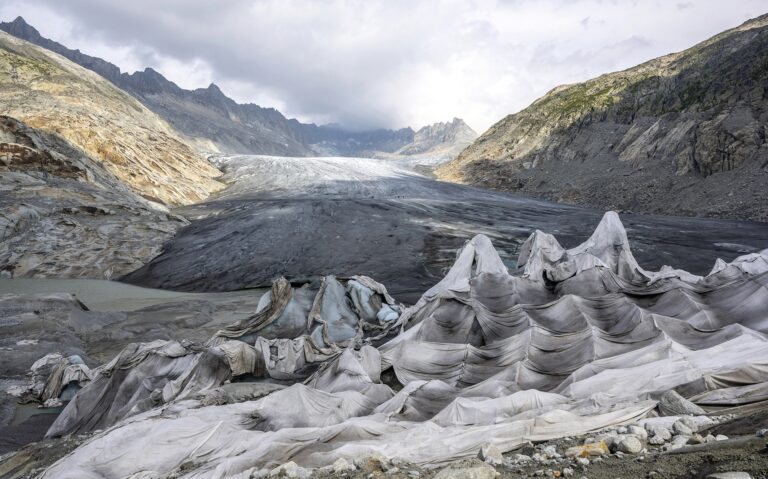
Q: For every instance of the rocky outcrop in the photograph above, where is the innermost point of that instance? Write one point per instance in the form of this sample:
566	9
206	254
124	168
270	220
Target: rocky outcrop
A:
448	138
681	134
216	123
62	214
440	141
52	94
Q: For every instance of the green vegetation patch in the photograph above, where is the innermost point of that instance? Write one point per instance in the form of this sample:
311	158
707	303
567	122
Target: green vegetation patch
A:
26	68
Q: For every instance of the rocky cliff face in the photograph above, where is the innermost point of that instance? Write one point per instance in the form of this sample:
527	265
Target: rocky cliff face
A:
215	122
447	138
681	134
52	94
62	214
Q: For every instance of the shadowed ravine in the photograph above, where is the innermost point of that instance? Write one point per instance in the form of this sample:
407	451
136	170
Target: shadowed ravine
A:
308	217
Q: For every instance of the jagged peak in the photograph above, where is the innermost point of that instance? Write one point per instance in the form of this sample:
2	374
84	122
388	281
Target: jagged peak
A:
151	71
214	88
19	25
20	21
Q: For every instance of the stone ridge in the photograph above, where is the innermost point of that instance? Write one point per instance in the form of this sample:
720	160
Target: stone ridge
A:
216	123
681	134
54	95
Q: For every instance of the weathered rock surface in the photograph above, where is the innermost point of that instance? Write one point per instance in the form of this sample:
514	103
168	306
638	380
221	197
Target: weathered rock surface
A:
729	475
62	214
629	445
682	134
55	95
490	454
478	471
594	449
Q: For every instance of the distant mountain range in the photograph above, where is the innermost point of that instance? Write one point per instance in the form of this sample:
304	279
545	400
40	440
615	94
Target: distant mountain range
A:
216	123
684	134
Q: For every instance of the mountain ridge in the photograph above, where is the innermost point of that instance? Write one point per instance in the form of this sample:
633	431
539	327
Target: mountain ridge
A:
49	93
658	137
216	123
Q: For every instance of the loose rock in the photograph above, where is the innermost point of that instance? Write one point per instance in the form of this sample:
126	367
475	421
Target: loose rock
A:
630	445
660	431
491	455
371	462
680	428
598	448
342	465
520	458
729	475
479	471
290	469
638	431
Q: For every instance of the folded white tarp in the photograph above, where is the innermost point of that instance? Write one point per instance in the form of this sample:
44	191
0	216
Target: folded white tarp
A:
581	339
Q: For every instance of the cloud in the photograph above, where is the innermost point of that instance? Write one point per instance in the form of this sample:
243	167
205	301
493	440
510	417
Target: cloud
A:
381	63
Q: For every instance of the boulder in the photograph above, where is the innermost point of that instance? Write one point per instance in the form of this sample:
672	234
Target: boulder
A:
491	454
658	431
637	431
677	443
594	449
550	452
630	445
682	429
371	462
290	469
342	465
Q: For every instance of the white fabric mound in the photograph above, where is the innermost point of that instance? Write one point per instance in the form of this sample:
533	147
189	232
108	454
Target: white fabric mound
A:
581	339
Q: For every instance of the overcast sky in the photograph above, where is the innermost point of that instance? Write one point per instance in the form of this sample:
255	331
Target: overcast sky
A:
387	63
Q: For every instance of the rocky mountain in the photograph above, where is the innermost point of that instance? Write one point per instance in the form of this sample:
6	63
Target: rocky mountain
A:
50	93
62	213
216	123
450	137
681	134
